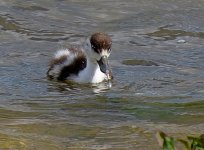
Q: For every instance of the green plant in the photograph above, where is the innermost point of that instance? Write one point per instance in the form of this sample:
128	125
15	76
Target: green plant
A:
192	143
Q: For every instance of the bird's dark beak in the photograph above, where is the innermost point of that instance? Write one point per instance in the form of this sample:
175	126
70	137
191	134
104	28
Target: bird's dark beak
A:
104	67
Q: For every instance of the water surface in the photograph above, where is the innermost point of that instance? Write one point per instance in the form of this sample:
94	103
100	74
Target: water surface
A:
157	62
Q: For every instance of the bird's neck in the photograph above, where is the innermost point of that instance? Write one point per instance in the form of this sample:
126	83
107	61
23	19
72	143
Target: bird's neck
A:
92	65
93	72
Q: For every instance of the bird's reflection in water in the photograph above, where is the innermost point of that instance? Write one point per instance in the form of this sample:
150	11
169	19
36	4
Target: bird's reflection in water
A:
72	88
101	87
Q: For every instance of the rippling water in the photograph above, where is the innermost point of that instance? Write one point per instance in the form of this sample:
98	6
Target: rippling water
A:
157	62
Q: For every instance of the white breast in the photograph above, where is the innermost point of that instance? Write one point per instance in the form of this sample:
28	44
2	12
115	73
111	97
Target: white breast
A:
91	74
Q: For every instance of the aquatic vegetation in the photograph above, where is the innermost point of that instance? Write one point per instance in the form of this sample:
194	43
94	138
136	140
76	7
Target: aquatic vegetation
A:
171	34
9	25
191	143
134	62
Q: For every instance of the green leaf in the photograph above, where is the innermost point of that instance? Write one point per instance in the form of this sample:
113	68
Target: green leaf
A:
168	143
197	142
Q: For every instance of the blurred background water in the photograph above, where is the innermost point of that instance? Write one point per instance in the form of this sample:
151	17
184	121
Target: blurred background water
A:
158	65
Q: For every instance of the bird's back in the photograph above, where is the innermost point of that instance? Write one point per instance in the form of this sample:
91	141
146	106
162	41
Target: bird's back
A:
66	63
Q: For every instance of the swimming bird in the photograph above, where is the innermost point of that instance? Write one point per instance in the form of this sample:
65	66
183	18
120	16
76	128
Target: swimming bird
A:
86	64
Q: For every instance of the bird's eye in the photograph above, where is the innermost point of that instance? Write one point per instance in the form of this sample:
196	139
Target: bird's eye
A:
93	47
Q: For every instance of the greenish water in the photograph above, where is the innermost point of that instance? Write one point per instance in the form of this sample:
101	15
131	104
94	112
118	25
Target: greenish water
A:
157	63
